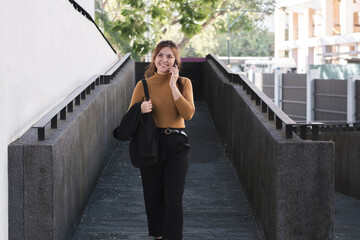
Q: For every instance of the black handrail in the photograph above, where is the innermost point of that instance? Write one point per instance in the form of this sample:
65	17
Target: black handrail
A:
88	16
267	105
79	93
336	126
274	112
305	127
111	73
317	128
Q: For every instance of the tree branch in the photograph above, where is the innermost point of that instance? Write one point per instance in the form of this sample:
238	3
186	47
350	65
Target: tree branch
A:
208	22
175	21
104	3
185	40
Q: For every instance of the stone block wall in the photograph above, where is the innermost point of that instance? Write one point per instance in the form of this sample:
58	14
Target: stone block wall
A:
347	162
51	181
288	182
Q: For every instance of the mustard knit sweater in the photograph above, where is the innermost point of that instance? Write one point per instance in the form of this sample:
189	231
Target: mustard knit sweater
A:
167	112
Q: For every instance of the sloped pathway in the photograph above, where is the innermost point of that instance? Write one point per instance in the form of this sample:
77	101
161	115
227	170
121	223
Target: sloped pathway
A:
215	206
347	217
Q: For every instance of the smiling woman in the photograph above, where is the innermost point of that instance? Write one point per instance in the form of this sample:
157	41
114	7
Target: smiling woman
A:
171	102
167	53
164	60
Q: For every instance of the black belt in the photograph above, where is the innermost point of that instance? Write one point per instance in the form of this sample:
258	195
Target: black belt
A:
169	131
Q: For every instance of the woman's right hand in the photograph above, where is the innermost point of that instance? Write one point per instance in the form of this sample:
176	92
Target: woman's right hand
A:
146	107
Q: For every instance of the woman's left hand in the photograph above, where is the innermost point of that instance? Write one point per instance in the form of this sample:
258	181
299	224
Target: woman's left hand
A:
174	75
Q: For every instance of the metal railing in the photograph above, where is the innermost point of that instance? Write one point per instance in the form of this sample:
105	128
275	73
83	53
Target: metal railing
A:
88	16
76	96
267	105
325	127
334	126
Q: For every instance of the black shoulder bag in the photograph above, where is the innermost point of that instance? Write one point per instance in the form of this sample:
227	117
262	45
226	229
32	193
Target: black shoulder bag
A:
143	145
142	132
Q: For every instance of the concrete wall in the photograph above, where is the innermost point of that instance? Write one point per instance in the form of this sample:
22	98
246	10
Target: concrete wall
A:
289	182
357	100
347	163
47	50
50	182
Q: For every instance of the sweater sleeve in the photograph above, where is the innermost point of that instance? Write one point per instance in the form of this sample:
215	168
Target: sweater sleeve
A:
185	103
138	94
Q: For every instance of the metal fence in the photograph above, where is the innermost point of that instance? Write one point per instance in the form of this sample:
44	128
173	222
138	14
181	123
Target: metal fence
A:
305	97
265	82
294	95
330	100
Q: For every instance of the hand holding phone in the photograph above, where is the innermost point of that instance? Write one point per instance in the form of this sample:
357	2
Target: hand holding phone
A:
174	70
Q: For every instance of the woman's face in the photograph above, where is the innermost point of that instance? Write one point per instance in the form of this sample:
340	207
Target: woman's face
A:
164	60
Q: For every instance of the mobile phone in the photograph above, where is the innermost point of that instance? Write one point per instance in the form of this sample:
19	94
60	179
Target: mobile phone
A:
175	64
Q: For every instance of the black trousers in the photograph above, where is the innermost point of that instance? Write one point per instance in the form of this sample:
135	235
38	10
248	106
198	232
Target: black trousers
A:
163	185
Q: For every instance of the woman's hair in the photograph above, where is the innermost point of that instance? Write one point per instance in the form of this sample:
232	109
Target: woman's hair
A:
151	69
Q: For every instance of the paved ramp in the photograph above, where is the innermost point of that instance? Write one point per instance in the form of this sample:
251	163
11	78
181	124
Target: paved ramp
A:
347	217
215	206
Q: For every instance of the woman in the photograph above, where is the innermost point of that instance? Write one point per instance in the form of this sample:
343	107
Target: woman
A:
171	102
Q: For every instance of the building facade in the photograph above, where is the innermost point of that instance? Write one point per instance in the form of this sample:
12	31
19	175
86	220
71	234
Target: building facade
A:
317	31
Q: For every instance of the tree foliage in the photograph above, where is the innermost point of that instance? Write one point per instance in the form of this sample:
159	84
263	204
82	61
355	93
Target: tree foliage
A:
136	26
257	42
252	43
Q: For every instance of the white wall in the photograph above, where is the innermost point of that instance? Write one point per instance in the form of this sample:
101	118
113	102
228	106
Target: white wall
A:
47	49
279	26
88	5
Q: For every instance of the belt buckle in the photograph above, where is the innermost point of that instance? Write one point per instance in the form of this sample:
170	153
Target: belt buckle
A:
167	131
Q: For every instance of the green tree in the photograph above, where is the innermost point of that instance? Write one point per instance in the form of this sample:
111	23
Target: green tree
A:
123	26
257	42
254	41
124	21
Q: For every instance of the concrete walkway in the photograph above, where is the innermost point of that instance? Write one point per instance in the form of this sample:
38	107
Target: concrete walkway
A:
347	217
215	206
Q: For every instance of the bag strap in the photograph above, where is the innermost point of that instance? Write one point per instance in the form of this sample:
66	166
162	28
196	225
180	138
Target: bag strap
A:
146	90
